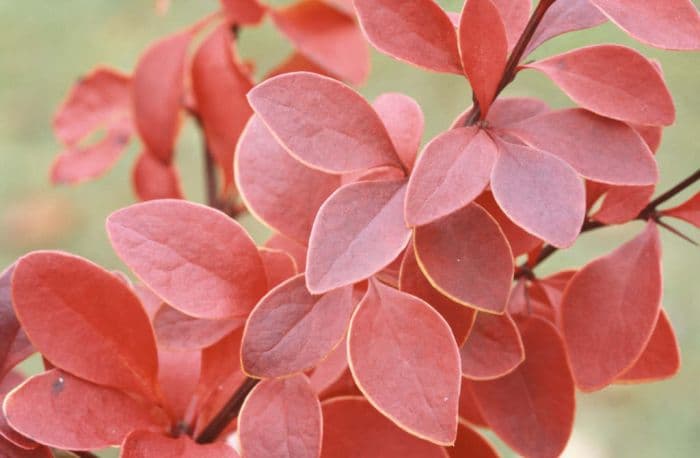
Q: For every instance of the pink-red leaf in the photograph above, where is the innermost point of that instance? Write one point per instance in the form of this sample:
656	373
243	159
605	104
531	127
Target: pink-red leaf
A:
520	241
612	81
196	259
470	443
688	211
144	444
661	358
353	428
512	110
220	84
85	320
610	308
483	45
281	418
493	349
598	148
178	376
532	408
539	192
14	345
358	231
157	92
246	12
623	203
278	189
179	332
413	281
418	32
514	14
403	119
452	171
154	180
64	403
565	16
279	266
408	367
467	258
323	122
291	330
330	370
295	249
668	24
10	450
317	30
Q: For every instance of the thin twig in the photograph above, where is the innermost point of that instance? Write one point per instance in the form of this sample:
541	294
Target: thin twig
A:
227	413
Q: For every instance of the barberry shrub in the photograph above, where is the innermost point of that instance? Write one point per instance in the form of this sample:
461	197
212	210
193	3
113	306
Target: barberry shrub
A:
388	315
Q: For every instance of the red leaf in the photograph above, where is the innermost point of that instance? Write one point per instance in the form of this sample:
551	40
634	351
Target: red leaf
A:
612	81
220	85
563	17
668	24
467	258
14	345
154	180
279	266
452	171
493	349
330	370
520	241
297	62
291	330
418	32
403	119
688	211
85	320
358	231
281	418
180	250
411	356
623	203
514	14
540	193
413	281
178	375
472	444
9	382
143	444
661	358
469	410
64	403
532	408
295	249
323	122
512	110
483	45
317	30
278	189
244	12
157	90
598	148
352	428
610	308
179	332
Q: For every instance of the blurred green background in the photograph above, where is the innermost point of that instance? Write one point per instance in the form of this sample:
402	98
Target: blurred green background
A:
46	46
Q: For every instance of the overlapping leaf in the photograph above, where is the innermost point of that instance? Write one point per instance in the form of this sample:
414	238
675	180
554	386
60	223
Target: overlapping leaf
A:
196	259
471	443
144	444
177	331
154	180
409	366
14	345
404	121
279	266
688	211
493	349
563	17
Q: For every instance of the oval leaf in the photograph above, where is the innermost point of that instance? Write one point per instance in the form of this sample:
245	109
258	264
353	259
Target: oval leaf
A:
403	119
154	180
563	17
467	258
413	355
610	308
177	331
180	249
282	192
520	241
281	418
358	231
418	32
532	408
613	81
494	348
540	193
85	320
291	330
144	444
453	170
514	14
323	122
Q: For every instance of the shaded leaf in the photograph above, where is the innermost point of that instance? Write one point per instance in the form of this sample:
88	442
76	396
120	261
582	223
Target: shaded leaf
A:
243	11
610	308
281	418
409	366
14	345
493	349
279	266
520	241
466	257
403	119
144	444
511	110
297	62
330	370
295	249
154	180
469	410
10	450
358	231
180	249
471	443
291	330
176	331
623	203
418	32
178	376
9	382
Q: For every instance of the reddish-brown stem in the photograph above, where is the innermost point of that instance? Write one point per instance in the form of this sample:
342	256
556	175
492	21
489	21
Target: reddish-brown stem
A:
210	179
649	212
515	57
227	413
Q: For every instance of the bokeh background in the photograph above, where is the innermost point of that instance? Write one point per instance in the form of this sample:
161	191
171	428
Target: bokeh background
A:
46	46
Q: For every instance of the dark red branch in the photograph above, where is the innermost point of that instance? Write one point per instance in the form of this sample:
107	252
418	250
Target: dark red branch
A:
227	413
